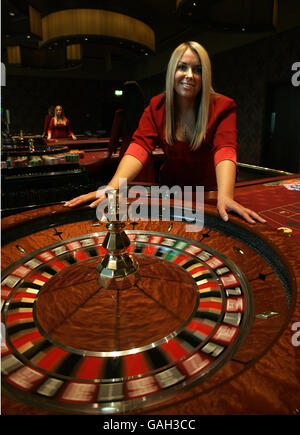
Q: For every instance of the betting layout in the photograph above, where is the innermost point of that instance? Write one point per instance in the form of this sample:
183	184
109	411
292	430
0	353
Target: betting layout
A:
278	203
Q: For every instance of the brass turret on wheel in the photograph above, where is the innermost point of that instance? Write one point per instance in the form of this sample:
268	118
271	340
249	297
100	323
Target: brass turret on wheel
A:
118	268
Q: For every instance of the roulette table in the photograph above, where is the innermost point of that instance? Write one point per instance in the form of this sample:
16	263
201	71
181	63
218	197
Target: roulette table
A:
95	153
82	142
278	201
208	327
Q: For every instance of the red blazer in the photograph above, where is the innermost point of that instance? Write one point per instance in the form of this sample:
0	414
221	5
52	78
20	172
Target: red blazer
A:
183	166
59	130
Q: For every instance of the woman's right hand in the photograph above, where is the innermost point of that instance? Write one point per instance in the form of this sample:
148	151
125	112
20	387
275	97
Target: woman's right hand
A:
91	197
94	198
128	168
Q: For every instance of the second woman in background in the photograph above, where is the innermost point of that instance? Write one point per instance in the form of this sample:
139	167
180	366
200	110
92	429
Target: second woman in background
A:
59	126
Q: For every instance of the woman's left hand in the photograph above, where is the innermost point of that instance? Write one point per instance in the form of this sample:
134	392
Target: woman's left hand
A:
226	204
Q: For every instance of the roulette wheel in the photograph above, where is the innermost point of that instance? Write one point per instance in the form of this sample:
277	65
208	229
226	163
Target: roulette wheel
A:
205	327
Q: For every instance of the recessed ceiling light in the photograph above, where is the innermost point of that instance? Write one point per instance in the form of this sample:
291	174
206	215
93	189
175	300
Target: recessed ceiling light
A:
12	14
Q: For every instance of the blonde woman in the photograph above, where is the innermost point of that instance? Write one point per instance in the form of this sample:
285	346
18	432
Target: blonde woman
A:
195	126
59	126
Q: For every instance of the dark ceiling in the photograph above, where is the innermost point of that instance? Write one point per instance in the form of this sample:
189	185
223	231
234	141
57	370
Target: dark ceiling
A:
218	24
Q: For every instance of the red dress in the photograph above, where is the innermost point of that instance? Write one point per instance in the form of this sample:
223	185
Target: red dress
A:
183	166
59	130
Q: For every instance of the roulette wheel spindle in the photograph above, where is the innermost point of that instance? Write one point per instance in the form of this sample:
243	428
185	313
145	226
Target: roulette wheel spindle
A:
118	267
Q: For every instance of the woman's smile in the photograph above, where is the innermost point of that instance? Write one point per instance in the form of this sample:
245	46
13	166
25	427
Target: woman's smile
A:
188	78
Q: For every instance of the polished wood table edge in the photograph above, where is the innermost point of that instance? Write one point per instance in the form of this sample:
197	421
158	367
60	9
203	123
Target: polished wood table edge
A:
37	212
266	180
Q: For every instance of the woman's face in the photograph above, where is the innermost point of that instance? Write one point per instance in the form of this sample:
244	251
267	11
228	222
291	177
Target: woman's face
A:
58	110
188	78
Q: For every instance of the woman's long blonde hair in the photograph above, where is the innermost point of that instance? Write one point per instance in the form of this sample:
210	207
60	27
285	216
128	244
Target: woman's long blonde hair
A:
204	95
61	119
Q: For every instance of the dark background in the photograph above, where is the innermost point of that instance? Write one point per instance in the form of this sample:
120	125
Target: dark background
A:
254	68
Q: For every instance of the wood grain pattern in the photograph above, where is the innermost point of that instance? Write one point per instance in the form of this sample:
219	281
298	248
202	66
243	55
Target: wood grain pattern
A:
263	377
75	310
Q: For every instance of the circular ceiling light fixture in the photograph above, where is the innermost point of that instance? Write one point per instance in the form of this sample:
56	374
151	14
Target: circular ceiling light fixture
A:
96	23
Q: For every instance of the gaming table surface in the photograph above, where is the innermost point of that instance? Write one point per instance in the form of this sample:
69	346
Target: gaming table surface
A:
209	327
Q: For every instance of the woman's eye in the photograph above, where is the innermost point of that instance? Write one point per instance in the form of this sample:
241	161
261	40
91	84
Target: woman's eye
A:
181	67
196	70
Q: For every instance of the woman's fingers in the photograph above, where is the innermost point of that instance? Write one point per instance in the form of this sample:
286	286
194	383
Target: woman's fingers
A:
95	203
93	197
245	215
256	216
82	199
73	202
222	212
249	215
